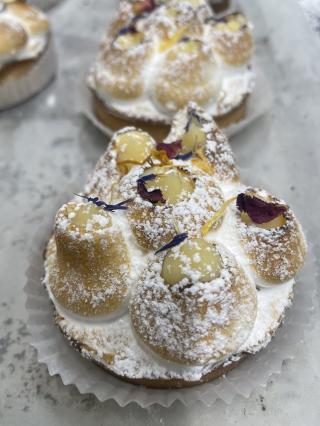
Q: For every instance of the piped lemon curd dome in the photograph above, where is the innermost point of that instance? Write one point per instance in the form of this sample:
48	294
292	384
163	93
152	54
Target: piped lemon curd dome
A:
90	269
133	147
199	309
196	259
175	184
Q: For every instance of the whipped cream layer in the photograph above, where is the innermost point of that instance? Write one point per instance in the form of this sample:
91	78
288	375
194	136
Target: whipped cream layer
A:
35	43
233	83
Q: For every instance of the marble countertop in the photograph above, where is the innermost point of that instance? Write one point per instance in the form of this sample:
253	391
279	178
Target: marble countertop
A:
45	144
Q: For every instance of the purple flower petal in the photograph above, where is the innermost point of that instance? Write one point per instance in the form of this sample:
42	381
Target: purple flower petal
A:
171	149
258	210
178	239
184	157
106	207
125	30
147	178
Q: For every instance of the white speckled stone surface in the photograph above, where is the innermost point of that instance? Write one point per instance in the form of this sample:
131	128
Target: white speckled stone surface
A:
45	144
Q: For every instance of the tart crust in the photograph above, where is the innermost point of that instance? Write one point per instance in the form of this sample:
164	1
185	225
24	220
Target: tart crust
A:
158	131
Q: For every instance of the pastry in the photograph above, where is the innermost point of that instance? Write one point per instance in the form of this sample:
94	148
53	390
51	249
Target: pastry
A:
27	60
159	55
167	271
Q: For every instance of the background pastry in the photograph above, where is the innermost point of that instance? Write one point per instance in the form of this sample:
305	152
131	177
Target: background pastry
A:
178	52
27	60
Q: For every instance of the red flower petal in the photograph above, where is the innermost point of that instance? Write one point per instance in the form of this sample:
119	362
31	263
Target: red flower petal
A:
154	196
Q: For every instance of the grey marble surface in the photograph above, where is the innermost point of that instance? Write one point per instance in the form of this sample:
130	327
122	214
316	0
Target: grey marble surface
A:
45	144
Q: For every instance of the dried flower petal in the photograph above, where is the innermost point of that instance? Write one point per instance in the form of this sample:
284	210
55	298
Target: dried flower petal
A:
208	225
125	30
178	239
154	196
184	157
146	178
171	149
258	210
106	207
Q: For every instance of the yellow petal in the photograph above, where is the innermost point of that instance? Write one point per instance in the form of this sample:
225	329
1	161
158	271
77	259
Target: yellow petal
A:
203	165
205	229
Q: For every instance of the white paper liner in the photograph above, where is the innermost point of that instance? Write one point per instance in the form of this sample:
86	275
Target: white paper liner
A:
54	351
18	90
259	102
45	4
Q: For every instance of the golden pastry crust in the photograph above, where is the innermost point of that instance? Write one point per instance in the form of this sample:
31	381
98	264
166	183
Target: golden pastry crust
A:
94	281
194	323
221	158
277	254
179	383
233	39
186	73
155	225
12	37
122	74
33	20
